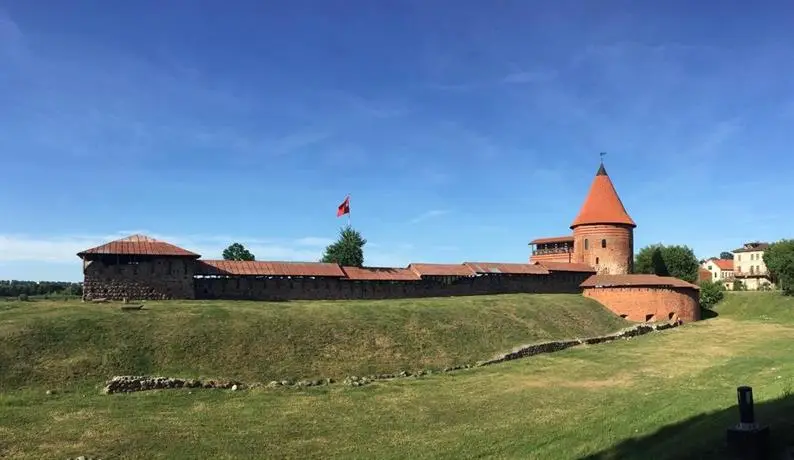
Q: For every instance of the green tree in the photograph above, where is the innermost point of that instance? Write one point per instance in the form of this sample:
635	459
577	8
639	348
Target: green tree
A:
676	260
649	260
779	260
711	293
726	255
738	285
237	251
347	250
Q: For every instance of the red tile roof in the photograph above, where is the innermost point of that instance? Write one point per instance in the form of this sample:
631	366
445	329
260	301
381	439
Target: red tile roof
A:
139	245
441	270
507	269
566	267
380	274
598	281
554	239
602	205
704	275
262	268
723	264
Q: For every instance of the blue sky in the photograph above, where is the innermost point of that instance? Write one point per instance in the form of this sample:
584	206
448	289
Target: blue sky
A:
462	129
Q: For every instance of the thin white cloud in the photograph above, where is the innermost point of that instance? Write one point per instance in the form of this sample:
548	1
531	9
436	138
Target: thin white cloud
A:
371	108
429	215
314	241
9	30
45	251
529	76
297	141
11	38
64	249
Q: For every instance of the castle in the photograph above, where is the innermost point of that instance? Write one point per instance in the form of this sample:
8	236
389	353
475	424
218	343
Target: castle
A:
595	261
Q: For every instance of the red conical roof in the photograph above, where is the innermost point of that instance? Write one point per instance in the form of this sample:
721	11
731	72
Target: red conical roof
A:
602	205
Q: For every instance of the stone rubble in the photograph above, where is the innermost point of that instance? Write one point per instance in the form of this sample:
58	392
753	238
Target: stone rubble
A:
128	384
551	347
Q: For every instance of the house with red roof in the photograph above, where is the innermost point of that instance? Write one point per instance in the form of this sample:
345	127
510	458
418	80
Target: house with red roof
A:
720	270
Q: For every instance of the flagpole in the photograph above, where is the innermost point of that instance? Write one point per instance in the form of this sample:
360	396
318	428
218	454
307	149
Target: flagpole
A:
348	211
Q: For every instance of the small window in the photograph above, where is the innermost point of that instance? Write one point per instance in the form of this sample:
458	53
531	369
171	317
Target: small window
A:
586	245
603	244
648	318
596	260
671	315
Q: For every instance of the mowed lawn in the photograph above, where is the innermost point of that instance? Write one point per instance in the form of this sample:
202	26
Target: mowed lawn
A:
664	395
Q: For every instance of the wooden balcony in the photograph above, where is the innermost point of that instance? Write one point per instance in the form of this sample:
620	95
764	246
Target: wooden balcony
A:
540	252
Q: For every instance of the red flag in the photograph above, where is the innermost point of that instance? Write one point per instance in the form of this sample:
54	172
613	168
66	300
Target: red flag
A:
343	208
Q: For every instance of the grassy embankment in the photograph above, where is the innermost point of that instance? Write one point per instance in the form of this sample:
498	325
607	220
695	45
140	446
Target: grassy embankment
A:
666	395
57	343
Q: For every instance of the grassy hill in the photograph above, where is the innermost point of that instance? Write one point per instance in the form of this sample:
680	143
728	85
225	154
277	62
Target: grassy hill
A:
662	396
59	343
757	306
669	395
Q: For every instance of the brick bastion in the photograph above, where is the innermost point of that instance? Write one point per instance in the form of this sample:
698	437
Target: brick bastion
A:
645	297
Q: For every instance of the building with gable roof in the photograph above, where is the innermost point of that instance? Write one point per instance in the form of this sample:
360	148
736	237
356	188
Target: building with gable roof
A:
720	270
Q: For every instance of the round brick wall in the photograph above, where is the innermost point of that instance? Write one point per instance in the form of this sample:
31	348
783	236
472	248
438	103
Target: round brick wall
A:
607	248
649	303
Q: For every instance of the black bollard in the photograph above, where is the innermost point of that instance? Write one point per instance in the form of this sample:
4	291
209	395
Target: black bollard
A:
747	439
746	409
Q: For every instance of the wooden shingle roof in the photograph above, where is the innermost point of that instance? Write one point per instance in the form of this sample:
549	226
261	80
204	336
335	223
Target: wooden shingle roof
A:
140	245
264	268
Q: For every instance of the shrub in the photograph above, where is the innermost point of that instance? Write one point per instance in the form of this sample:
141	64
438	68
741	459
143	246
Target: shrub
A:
711	293
23	297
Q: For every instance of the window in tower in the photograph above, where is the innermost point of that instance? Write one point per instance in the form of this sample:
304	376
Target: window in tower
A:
585	244
596	260
603	243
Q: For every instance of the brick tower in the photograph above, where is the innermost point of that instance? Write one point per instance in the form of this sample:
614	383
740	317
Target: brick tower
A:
603	232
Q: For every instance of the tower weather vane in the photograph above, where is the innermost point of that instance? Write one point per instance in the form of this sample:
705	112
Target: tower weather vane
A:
602	156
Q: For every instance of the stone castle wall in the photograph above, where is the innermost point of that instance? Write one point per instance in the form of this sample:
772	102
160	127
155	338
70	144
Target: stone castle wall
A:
337	289
176	278
155	279
652	303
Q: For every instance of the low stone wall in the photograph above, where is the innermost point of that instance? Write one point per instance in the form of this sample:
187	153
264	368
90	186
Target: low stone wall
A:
275	289
649	303
128	384
551	347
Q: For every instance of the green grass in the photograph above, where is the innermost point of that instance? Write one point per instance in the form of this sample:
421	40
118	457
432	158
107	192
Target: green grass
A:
664	395
51	343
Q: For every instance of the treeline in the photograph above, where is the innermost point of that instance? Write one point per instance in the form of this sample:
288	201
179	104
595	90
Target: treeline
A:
15	288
